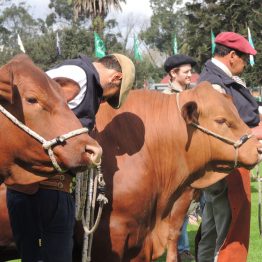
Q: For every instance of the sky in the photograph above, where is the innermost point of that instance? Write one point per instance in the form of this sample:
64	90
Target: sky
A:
39	8
133	14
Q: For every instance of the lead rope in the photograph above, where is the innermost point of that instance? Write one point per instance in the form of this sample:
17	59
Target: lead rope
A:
235	144
47	145
89	184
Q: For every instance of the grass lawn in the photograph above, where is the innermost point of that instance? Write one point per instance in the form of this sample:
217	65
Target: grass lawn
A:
255	245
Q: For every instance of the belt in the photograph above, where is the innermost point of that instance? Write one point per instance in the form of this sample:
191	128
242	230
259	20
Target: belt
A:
61	182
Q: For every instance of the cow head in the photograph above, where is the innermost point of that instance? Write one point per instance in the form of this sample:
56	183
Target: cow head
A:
216	129
38	102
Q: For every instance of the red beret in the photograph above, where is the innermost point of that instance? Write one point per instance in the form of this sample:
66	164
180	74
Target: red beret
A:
236	42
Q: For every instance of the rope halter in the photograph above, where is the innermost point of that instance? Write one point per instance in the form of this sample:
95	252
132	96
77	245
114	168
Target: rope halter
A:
236	144
47	145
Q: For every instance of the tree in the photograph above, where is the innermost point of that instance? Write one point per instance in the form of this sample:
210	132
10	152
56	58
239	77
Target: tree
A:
223	15
14	20
166	21
97	10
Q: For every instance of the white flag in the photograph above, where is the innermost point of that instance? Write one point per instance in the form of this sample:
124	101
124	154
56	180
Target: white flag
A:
19	41
58	47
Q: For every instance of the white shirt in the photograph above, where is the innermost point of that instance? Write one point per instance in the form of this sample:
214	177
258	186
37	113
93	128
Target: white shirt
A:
75	73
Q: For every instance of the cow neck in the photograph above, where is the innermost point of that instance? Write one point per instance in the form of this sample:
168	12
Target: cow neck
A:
47	145
236	144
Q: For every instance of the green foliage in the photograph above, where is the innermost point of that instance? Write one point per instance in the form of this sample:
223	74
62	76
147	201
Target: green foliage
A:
165	23
62	9
146	72
223	15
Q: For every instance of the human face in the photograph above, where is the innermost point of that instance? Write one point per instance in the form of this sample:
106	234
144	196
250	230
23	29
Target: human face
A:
182	75
110	81
239	62
110	90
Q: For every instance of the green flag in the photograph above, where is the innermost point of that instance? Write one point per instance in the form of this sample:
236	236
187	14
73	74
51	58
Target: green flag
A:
175	45
251	57
137	53
100	50
213	44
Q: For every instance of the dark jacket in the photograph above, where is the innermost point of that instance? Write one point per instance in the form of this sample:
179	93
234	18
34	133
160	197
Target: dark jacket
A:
88	107
245	103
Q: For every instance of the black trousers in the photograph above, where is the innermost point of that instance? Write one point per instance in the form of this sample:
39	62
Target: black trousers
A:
42	225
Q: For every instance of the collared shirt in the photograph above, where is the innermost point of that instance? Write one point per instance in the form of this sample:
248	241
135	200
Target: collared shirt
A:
173	89
228	72
245	103
221	66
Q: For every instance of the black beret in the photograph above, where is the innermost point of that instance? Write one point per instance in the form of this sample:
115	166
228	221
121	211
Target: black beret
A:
178	60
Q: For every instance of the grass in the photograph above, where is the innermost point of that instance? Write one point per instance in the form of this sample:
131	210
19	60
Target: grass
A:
255	244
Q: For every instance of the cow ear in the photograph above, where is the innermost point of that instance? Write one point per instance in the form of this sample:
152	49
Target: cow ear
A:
70	88
6	83
189	112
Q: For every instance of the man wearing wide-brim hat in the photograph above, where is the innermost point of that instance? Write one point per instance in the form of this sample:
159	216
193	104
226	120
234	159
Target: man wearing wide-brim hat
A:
226	215
42	214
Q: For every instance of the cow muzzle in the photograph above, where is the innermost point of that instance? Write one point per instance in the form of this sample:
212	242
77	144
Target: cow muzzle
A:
96	154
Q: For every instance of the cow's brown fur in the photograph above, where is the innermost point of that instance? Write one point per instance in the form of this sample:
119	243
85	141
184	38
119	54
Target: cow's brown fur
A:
38	102
151	155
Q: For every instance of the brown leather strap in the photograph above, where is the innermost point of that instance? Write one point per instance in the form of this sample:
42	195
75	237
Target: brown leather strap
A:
61	182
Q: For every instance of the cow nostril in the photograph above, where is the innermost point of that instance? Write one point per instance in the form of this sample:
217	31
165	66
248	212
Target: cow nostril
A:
95	152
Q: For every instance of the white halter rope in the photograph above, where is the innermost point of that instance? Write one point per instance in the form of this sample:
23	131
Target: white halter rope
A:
235	144
47	145
89	184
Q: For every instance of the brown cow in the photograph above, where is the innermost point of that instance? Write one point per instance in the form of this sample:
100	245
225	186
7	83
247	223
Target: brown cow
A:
152	152
34	99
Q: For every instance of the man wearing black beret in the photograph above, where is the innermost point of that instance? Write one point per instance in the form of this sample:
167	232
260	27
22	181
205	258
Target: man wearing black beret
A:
179	68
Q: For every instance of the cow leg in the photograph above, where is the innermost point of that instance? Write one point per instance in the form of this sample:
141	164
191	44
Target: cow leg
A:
176	219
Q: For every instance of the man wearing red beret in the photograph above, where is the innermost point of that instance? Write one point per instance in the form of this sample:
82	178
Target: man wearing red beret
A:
226	215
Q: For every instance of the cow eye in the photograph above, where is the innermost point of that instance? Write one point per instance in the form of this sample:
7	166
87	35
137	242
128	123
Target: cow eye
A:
221	120
31	100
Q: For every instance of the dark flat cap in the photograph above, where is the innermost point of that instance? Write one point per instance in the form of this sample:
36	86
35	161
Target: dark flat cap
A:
178	60
236	42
